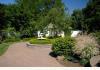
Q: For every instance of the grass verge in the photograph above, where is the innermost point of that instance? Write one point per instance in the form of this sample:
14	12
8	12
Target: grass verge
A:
3	48
46	41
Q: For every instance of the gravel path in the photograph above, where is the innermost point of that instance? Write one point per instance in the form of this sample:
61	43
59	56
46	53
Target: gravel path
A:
19	55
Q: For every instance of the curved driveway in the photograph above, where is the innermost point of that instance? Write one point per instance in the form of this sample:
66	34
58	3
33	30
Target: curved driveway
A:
19	55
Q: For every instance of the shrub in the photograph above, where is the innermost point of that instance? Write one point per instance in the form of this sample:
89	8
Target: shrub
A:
53	37
97	36
89	51
84	62
8	32
50	37
13	39
82	41
10	35
63	46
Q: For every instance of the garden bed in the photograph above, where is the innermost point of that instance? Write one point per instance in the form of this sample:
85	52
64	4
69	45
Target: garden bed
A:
67	63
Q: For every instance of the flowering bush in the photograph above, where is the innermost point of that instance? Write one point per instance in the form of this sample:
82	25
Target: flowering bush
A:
89	51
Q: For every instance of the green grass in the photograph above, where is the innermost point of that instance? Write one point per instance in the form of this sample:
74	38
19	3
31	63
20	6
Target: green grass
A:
11	40
46	41
5	44
26	39
3	48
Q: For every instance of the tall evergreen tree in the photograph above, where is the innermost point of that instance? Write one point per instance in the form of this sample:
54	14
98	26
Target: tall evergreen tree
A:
2	19
2	16
78	20
92	15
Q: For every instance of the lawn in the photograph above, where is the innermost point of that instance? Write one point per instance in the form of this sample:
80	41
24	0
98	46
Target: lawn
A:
3	48
46	41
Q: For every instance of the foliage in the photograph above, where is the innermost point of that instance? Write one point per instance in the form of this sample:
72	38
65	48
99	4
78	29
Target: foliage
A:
92	15
63	46
97	36
2	20
28	16
56	16
53	37
82	41
8	31
78	19
2	16
10	35
84	62
71	58
13	39
46	41
89	51
17	18
88	17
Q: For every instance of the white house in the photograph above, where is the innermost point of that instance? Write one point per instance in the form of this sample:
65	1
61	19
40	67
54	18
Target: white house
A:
51	31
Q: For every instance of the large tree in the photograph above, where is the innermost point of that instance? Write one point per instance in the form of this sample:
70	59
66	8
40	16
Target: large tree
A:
2	19
92	15
20	16
78	19
2	16
55	14
31	15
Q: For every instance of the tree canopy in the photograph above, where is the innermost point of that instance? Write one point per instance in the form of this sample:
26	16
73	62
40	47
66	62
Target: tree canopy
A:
28	16
2	16
92	15
78	19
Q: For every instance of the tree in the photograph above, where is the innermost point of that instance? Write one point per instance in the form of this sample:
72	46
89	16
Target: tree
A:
2	16
20	16
55	15
2	20
27	16
92	15
78	20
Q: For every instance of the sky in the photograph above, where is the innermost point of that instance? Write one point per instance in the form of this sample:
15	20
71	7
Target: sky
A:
75	4
7	1
70	4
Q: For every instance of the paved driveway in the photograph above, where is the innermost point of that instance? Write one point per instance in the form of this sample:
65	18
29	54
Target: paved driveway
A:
19	55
